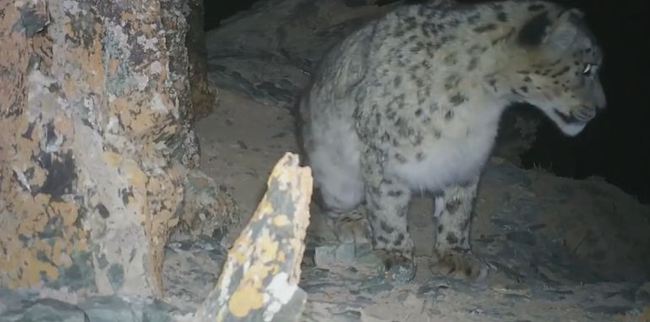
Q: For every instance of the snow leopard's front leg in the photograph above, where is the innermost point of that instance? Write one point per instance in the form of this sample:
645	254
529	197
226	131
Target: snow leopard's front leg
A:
453	216
387	201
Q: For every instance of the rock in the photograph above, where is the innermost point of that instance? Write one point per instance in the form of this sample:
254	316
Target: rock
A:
30	306
95	107
206	211
113	308
202	95
285	40
357	259
47	310
259	280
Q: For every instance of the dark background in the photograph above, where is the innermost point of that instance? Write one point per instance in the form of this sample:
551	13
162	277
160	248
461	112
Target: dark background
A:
615	145
215	11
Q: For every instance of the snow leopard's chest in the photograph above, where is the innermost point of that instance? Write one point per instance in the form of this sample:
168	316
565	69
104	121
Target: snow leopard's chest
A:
457	155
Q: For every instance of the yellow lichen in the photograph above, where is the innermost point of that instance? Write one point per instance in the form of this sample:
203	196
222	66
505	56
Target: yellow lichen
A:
281	220
34	269
66	210
239	251
267	247
32	225
244	300
281	257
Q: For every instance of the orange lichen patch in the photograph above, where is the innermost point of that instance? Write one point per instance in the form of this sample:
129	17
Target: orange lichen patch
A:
17	131
122	106
40	201
89	60
34	218
38	176
93	64
15	197
144	122
26	266
31	269
31	225
140	123
245	300
143	117
65	210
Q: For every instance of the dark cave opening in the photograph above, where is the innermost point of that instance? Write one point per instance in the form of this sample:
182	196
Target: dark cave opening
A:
215	11
615	144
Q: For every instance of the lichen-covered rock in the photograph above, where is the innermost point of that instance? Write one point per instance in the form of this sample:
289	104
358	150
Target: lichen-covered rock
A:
94	101
187	72
206	211
259	280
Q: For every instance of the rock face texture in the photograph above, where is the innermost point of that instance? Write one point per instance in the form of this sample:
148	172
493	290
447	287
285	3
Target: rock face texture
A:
260	277
96	144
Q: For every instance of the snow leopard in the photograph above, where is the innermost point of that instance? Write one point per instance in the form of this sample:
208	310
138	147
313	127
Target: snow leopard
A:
411	103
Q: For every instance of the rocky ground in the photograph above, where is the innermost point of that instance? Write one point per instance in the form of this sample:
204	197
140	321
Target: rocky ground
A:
560	249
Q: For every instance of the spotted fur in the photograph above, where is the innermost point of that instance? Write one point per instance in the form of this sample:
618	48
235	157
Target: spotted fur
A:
411	102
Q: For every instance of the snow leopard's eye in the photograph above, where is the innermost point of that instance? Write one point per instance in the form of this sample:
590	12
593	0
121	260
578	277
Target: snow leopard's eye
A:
589	69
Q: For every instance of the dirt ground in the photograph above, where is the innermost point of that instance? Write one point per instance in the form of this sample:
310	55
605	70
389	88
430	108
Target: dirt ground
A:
557	250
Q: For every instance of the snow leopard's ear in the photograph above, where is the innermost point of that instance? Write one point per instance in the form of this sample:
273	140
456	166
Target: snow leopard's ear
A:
557	31
535	30
564	29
